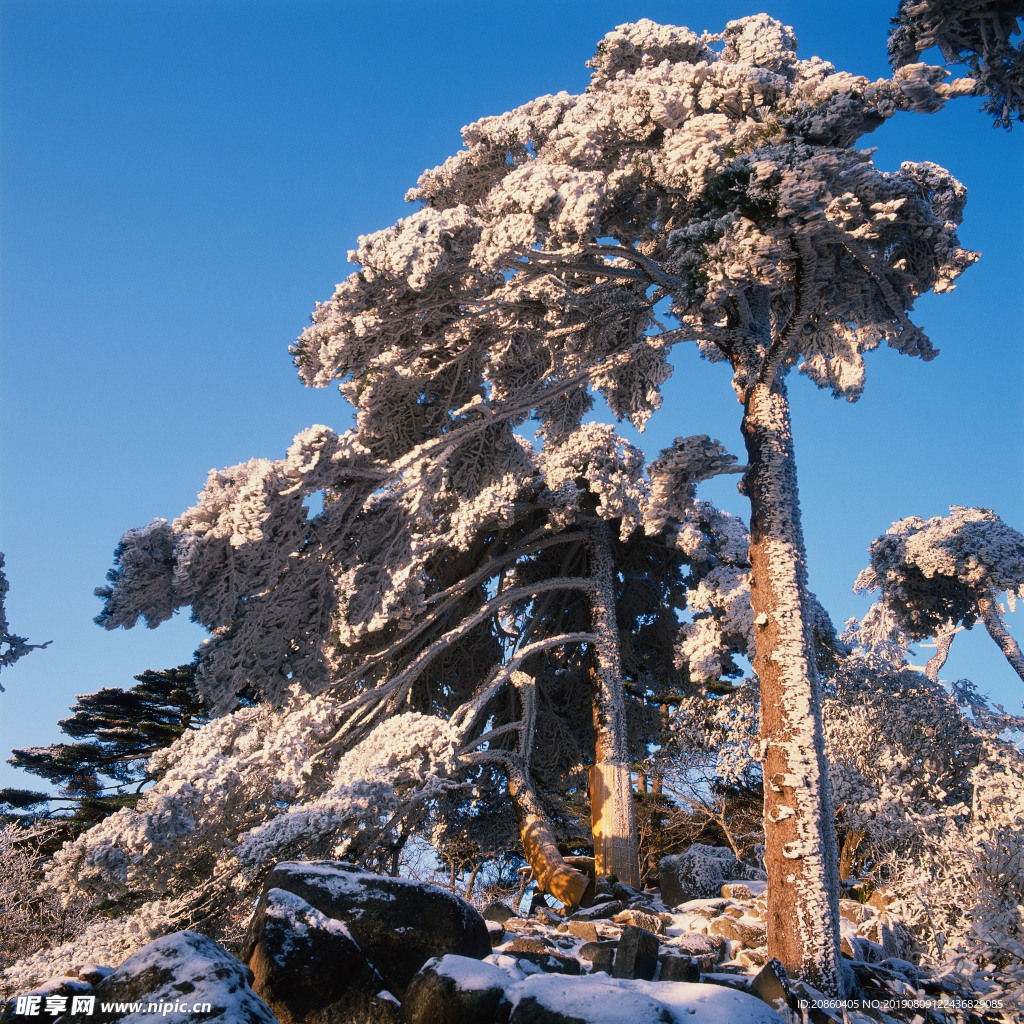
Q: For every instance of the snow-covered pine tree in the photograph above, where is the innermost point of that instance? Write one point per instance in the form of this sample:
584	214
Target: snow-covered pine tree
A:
479	615
714	177
940	575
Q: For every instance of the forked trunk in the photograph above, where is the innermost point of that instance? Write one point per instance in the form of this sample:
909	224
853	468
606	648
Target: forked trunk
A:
800	843
613	817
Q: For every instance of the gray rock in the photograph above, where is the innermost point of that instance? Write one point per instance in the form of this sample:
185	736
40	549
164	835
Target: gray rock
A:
599	911
771	986
700	872
637	954
678	967
177	972
397	923
308	968
498	911
454	990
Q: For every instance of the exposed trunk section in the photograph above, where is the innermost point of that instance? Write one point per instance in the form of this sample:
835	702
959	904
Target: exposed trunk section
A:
800	843
613	817
943	641
998	631
553	874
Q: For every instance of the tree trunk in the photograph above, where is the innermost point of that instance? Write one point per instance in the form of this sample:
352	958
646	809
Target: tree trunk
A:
998	631
613	817
800	842
943	642
553	874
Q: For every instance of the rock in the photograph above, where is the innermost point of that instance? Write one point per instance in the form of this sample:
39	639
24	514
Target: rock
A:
498	911
177	972
308	968
891	934
636	955
589	1000
771	986
748	931
496	933
56	994
753	957
641	919
589	950
397	923
627	894
528	944
700	872
585	930
550	962
853	911
454	990
678	967
707	950
599	911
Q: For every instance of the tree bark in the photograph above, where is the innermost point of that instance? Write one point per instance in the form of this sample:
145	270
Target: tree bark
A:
553	874
613	816
998	631
943	642
800	843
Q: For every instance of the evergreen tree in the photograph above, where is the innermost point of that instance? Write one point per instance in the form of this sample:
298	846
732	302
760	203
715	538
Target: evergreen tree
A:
116	732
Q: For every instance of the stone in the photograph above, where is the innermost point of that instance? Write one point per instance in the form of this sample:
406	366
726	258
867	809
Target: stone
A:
771	986
891	934
496	933
549	962
641	919
748	931
307	967
454	990
678	967
707	950
854	911
599	911
627	894
528	944
585	930
636	955
753	957
398	924
589	950
498	911
546	1000
700	872
179	970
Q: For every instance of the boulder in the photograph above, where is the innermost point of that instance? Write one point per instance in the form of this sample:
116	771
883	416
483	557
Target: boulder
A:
498	911
454	990
700	872
641	919
309	969
397	923
589	1000
171	978
636	955
678	967
600	911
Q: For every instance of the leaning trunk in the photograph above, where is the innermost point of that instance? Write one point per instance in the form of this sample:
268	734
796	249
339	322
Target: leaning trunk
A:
553	874
613	818
998	631
800	845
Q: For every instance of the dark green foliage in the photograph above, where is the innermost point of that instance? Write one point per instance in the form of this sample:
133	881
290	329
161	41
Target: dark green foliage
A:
116	732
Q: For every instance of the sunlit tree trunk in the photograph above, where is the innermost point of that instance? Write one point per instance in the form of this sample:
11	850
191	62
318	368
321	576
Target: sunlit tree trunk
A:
942	644
613	817
800	844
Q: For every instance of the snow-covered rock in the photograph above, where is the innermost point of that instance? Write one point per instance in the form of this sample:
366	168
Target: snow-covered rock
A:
700	872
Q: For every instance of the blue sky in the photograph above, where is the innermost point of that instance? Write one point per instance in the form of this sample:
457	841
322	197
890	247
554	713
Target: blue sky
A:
182	182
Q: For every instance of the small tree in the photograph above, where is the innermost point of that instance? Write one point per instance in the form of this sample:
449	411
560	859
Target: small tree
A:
116	731
940	575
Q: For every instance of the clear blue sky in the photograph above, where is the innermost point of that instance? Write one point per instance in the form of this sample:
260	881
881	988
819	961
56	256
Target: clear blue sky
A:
181	182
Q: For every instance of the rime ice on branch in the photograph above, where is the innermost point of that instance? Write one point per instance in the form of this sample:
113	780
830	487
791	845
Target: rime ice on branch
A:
940	575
